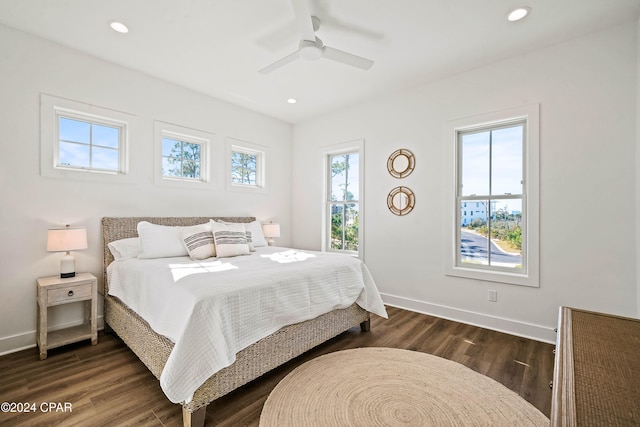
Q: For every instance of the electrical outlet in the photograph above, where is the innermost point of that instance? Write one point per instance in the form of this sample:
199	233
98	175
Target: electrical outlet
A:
493	296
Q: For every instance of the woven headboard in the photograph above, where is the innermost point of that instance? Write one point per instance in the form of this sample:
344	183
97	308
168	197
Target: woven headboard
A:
116	228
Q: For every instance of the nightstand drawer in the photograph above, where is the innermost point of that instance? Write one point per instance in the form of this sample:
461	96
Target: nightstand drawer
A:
71	293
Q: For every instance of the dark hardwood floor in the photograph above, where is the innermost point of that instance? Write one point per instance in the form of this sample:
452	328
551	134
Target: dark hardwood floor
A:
106	385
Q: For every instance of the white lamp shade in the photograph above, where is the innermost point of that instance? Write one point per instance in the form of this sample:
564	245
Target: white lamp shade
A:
271	230
66	239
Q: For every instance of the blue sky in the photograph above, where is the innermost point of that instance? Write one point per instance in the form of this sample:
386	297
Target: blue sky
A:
84	144
500	157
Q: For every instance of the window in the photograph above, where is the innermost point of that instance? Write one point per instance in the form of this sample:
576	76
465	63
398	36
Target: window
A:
344	228
83	141
88	144
182	156
181	159
490	170
496	170
246	166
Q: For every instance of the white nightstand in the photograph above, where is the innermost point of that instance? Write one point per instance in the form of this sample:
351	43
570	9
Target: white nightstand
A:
56	291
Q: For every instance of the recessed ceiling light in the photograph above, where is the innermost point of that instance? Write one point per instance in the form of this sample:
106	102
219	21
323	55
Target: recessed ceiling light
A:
292	100
518	13
119	27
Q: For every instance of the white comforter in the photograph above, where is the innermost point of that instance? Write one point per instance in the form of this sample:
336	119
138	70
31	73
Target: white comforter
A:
214	308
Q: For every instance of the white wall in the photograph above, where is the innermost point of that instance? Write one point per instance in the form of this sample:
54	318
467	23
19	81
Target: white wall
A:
30	203
586	89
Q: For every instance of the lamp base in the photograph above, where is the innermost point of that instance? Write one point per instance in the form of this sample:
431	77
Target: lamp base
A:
67	266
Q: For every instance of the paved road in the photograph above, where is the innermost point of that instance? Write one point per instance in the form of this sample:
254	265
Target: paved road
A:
474	249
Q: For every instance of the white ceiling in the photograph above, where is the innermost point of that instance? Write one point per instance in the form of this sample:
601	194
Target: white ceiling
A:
217	46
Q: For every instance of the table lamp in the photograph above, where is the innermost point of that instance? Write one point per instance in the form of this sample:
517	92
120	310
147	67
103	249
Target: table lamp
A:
270	231
65	240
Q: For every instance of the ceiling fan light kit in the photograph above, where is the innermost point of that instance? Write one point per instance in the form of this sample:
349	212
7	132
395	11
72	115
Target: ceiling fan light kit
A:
311	47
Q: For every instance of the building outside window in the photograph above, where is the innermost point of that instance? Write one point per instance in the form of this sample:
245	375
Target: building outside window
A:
496	172
490	172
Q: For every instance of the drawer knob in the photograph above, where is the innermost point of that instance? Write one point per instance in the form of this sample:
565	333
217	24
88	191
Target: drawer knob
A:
70	293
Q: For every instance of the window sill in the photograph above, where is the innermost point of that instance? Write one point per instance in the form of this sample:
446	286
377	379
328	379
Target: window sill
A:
494	276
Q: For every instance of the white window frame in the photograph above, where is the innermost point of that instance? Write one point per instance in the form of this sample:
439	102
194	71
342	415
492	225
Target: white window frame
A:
261	153
52	108
328	152
530	197
91	120
185	134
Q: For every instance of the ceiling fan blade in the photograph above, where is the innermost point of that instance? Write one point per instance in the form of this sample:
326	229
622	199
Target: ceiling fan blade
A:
303	19
279	63
347	58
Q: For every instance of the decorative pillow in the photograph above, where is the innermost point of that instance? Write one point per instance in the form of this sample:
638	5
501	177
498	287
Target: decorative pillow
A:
249	241
160	241
198	240
125	248
229	239
257	237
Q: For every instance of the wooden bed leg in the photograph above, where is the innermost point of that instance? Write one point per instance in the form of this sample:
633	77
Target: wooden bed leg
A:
365	326
194	419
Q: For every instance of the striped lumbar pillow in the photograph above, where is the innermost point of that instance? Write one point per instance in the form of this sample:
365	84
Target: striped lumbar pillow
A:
198	240
229	239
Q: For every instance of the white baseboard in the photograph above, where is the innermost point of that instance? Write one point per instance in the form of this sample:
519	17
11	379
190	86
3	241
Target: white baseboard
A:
27	340
508	326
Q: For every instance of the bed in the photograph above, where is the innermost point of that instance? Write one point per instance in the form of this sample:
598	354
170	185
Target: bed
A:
155	349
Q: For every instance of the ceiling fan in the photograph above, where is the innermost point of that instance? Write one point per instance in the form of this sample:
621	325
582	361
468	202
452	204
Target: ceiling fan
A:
311	47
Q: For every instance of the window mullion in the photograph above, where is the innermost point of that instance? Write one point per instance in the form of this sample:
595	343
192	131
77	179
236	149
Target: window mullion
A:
181	159
91	145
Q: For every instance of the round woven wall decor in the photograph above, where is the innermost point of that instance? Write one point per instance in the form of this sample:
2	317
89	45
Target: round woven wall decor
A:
401	163
401	200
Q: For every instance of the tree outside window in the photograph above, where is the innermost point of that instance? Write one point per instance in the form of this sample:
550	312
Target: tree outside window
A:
244	168
344	207
181	159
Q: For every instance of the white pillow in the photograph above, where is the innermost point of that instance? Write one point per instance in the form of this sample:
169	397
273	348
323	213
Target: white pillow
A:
125	248
198	240
257	237
230	239
160	241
